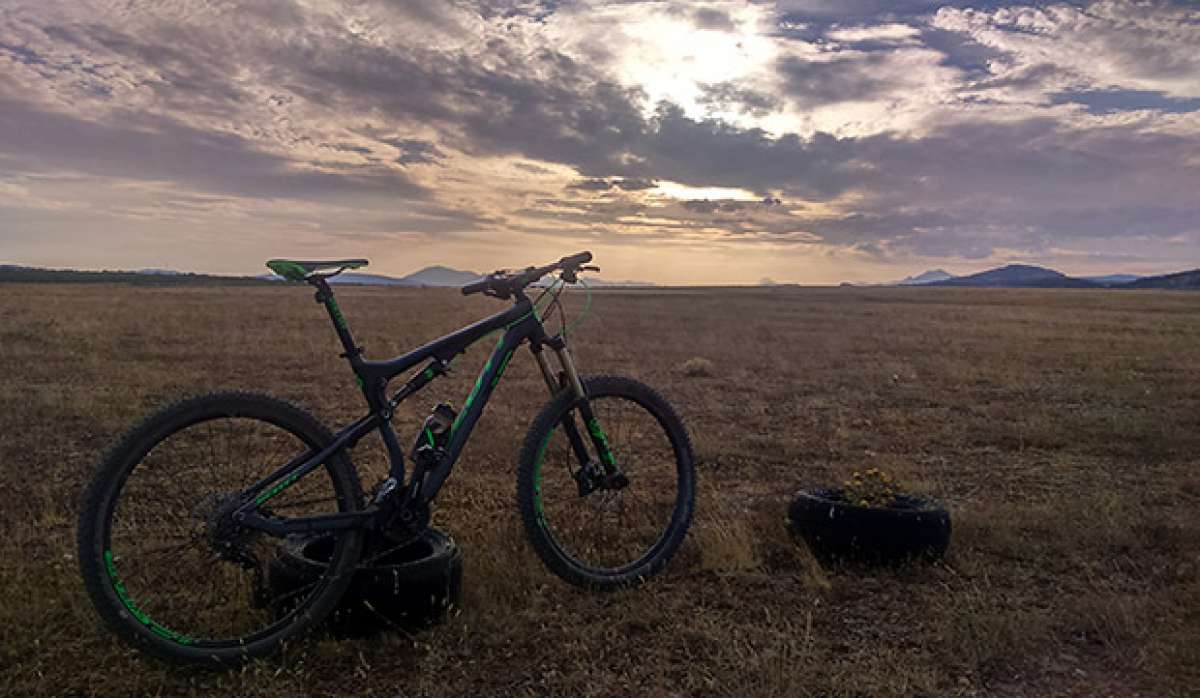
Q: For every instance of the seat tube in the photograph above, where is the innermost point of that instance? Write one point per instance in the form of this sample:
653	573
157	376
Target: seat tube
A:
325	297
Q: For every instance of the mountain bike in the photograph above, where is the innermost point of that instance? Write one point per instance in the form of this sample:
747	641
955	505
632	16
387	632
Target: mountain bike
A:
184	515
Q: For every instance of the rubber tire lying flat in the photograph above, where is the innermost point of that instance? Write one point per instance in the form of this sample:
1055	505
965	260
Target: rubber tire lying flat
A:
837	531
410	587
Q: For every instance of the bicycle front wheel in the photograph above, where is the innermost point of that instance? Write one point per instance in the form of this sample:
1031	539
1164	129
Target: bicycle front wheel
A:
611	531
163	560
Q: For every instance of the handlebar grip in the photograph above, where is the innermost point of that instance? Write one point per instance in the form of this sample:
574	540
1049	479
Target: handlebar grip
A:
576	259
477	287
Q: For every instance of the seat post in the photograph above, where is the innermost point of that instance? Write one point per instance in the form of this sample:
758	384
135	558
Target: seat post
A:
324	295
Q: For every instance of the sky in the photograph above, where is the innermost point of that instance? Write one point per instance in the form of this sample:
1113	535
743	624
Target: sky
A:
807	141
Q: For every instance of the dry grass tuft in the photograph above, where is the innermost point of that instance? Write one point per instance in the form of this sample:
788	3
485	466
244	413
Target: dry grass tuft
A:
698	367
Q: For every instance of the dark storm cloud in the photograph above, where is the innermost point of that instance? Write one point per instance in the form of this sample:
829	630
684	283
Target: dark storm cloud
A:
714	153
843	79
1112	101
542	105
416	151
536	9
828	12
731	96
147	148
600	184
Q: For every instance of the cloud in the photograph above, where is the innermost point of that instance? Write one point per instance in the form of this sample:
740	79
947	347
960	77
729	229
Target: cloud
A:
729	96
415	151
1111	44
899	129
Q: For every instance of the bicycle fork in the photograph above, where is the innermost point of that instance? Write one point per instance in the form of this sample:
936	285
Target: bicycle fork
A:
591	475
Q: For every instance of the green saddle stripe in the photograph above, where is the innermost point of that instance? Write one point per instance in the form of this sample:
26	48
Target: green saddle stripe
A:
297	270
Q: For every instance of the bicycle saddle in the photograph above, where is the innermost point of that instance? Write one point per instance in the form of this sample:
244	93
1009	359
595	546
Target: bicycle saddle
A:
298	270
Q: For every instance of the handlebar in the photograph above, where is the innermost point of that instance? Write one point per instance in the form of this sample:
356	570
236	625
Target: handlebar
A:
503	284
477	287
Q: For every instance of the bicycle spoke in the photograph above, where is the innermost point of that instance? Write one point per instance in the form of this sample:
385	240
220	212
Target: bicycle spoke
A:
611	528
160	526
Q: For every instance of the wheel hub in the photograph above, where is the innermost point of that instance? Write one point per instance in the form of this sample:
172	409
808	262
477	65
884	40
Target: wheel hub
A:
228	537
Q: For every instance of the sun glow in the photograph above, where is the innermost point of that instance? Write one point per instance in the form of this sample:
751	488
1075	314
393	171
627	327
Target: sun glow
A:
675	190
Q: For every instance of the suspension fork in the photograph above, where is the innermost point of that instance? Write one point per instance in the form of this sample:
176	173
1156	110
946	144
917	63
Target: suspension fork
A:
570	380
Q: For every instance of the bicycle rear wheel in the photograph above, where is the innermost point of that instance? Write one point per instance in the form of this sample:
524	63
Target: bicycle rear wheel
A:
163	561
614	535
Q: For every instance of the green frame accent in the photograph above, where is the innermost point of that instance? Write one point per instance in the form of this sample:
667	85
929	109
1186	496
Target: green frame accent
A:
606	453
279	487
336	311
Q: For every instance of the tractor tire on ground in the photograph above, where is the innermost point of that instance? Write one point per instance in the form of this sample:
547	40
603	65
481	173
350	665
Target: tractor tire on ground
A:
836	531
409	587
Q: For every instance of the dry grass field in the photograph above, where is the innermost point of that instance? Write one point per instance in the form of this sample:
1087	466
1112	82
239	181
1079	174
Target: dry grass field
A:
1062	428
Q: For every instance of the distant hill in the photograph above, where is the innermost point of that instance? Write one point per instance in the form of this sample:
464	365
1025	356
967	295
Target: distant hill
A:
597	282
1018	276
157	277
441	276
928	277
1184	280
429	276
1112	279
351	277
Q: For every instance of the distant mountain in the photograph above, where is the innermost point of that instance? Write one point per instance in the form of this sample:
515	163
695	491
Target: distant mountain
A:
1184	280
429	276
596	282
351	277
929	277
21	274
1112	279
440	276
158	272
1018	276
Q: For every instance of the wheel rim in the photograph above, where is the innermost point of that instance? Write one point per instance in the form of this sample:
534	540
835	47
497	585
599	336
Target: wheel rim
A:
610	531
175	559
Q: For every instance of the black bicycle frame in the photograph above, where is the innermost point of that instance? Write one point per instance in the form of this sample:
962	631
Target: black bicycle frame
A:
519	323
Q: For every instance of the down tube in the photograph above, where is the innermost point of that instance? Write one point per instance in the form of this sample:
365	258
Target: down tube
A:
473	408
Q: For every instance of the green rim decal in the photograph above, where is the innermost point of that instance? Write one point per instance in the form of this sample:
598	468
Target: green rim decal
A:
144	619
606	453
